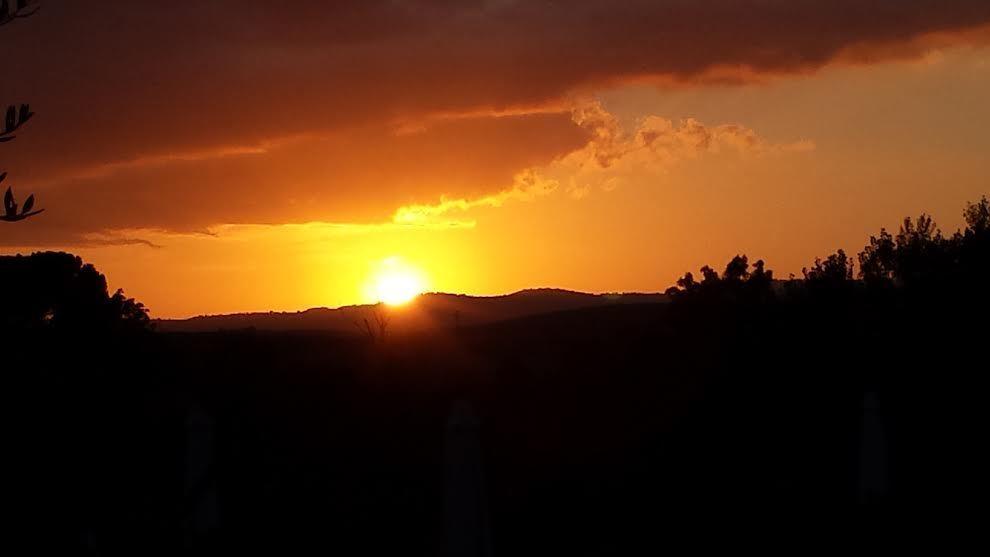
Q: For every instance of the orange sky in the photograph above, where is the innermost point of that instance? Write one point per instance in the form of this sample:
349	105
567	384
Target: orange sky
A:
221	160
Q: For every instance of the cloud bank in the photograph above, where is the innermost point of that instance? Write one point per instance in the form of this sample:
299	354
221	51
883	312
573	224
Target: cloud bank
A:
181	116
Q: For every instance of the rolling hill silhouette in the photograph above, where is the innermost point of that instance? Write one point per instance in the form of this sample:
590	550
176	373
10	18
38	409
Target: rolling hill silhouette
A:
429	311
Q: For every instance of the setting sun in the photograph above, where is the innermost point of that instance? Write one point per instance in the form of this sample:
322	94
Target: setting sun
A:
475	272
395	283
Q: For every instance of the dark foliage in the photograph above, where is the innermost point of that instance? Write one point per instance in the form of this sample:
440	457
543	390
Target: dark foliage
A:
835	270
15	117
58	292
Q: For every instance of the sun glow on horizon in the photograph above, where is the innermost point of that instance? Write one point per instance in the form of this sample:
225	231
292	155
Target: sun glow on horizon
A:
394	282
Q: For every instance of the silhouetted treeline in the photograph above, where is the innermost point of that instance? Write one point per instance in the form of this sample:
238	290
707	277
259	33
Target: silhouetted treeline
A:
57	292
801	366
918	258
746	411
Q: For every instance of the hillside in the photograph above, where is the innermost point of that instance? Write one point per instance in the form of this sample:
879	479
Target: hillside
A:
429	311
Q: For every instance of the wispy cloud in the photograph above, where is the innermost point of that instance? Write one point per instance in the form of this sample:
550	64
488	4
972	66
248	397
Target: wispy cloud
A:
421	123
655	144
108	169
528	185
117	238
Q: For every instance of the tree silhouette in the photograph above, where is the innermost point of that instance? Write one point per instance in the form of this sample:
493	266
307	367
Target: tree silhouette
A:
921	249
376	328
917	255
977	216
736	283
57	291
876	261
760	278
710	276
737	269
15	118
687	282
834	270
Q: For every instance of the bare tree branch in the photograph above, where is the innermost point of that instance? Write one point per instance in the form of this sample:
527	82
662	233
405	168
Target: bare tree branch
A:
22	9
16	117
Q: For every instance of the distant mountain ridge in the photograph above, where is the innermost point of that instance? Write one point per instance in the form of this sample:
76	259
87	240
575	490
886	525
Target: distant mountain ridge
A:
428	311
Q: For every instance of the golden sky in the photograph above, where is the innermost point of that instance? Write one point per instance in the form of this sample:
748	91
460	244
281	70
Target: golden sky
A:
241	157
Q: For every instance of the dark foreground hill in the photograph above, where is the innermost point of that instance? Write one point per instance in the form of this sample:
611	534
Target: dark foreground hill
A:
607	430
743	412
428	312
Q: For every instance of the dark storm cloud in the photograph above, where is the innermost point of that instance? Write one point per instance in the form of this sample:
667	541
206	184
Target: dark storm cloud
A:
117	83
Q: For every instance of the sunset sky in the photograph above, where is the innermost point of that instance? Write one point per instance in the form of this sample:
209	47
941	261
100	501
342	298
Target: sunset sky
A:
244	155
